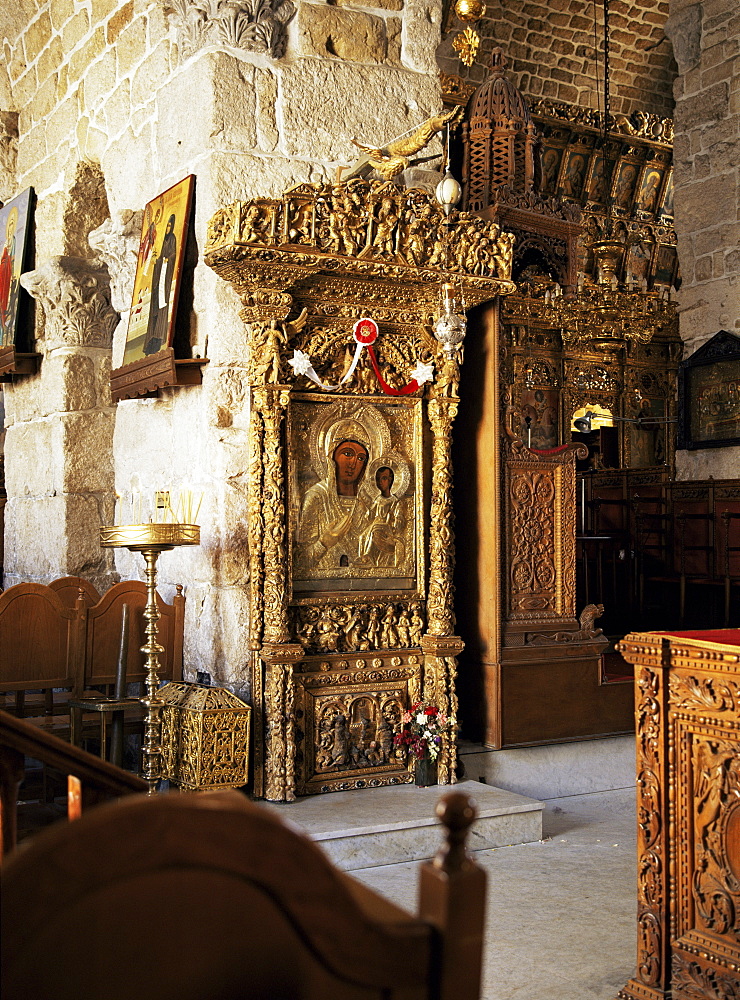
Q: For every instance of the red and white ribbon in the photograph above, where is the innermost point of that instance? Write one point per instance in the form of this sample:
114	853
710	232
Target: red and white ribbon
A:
365	333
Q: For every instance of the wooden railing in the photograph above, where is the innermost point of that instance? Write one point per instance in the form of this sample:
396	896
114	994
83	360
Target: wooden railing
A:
92	779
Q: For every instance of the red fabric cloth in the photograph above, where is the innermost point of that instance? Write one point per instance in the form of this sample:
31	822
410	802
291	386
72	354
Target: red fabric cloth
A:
725	636
550	451
407	389
6	276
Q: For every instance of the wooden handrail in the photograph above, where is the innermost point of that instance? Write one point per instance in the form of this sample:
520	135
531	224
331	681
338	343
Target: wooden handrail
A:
100	779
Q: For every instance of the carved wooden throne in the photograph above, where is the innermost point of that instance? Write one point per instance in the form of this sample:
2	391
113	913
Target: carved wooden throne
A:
346	633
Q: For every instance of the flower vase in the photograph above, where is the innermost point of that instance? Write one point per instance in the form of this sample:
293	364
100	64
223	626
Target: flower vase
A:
426	772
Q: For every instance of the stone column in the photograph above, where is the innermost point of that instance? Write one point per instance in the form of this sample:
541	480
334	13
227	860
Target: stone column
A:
59	458
8	154
707	185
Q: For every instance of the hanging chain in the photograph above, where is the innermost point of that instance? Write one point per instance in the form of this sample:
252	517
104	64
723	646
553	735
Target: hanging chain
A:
607	115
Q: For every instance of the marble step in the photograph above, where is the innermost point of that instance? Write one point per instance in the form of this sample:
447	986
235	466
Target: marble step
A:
554	770
385	826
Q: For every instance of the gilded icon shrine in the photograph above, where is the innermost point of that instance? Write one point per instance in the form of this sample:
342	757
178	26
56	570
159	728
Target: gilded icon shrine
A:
354	392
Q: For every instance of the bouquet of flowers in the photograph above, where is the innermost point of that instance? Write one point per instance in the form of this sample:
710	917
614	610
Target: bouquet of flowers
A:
423	729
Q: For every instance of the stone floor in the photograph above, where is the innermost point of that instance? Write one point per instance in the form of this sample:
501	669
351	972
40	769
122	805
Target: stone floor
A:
561	912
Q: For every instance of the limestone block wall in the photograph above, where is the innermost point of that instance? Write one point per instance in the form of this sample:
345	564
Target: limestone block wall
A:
552	52
122	92
706	39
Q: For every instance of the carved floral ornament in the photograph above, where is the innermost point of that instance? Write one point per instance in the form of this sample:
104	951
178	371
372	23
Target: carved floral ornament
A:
251	25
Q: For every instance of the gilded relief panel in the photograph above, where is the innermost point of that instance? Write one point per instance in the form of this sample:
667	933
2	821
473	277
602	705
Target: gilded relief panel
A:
348	711
355	501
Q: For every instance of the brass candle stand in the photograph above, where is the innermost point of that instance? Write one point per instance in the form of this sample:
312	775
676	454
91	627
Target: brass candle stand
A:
151	539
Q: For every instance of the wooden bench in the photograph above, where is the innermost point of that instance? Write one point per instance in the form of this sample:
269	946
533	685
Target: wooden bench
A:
181	897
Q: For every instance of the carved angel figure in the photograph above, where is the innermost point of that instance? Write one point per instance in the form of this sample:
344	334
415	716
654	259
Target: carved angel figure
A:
268	341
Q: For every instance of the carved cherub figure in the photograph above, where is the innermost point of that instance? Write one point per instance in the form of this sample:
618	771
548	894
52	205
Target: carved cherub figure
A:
373	627
346	221
353	628
268	341
340	741
419	229
417	624
329	634
403	627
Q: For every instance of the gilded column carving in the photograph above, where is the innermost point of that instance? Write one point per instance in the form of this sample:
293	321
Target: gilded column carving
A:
256	527
279	720
442	411
440	672
277	652
75	294
270	404
440	646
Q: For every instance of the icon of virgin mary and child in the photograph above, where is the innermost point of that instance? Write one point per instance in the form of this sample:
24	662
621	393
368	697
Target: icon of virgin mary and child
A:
355	516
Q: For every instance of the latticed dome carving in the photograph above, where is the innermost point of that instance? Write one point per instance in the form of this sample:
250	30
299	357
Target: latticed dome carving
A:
497	97
499	139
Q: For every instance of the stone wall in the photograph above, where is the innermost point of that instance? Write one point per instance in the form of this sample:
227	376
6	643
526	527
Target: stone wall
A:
137	98
706	39
551	52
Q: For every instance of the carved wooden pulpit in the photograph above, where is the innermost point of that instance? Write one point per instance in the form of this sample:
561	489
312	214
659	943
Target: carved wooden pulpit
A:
687	703
350	533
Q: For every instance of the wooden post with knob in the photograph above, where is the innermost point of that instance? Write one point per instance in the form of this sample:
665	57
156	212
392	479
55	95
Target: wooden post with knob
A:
452	896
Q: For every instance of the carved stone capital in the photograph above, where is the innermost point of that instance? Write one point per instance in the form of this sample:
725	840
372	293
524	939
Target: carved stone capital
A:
240	24
75	294
116	242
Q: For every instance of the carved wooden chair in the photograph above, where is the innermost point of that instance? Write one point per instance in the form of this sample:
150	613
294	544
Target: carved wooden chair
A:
41	648
181	897
730	558
68	588
112	660
103	635
695	542
657	582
